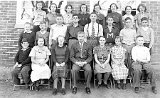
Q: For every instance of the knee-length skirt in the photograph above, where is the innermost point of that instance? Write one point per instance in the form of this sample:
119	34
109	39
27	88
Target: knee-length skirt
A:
40	72
119	72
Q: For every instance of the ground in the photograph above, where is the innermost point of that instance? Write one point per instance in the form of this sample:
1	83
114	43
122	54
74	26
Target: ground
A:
6	91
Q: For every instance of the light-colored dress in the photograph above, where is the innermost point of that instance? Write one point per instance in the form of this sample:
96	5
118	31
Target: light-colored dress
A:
38	71
119	70
102	55
39	16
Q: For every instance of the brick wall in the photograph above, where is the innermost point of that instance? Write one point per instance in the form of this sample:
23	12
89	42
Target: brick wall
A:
9	35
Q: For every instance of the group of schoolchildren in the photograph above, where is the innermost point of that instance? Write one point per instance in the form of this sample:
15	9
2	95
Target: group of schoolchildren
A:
118	45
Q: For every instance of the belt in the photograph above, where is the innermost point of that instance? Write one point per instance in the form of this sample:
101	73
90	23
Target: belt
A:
73	38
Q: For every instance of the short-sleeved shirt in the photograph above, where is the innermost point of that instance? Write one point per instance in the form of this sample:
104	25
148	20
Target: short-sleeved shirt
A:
39	16
102	53
128	36
40	54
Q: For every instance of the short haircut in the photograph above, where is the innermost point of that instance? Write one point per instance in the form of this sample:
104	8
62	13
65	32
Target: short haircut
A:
42	22
27	23
24	40
119	37
93	13
145	9
81	32
40	38
139	36
127	18
75	15
59	15
144	18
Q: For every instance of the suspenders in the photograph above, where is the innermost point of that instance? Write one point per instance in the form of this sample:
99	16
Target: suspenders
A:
88	30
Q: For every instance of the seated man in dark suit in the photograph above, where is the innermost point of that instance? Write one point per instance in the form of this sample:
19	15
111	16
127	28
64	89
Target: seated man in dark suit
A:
81	56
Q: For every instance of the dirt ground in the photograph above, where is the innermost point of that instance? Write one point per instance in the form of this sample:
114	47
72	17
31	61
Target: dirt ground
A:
6	91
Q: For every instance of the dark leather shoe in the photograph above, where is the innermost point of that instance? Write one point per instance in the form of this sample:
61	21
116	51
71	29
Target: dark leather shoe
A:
63	91
88	91
154	90
123	86
136	89
54	91
98	86
74	90
119	86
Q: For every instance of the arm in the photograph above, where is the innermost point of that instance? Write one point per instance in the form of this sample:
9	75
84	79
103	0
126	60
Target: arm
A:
96	59
16	57
66	55
67	35
100	30
133	52
72	54
152	39
89	59
50	36
20	39
107	61
121	22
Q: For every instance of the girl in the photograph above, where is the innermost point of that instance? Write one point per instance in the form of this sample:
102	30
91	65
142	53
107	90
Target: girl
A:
102	57
60	55
119	70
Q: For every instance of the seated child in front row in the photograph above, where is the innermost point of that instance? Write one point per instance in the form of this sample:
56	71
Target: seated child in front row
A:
119	70
141	58
22	67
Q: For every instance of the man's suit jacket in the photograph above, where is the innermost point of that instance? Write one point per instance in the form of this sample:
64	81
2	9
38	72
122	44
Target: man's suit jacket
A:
81	54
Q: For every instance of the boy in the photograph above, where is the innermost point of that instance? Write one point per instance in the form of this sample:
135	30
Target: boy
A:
57	29
28	34
71	35
43	33
110	32
81	56
141	59
22	67
128	39
93	30
146	32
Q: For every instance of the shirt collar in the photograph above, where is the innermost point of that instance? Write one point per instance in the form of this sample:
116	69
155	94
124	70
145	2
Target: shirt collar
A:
27	32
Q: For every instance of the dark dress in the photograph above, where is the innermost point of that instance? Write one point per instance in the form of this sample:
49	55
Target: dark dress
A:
84	19
60	55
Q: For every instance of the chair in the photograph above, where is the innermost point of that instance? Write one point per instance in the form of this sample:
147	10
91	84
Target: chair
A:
19	85
95	79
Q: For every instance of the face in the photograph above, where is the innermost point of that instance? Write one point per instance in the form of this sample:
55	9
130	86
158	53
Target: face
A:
118	41
97	8
81	37
40	42
75	19
141	9
93	17
140	41
83	8
43	26
128	10
69	9
39	5
25	44
144	23
60	40
53	7
113	7
102	41
59	20
27	27
128	23
110	21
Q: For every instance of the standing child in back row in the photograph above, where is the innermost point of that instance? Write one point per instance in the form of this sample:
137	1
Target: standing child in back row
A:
147	32
128	35
28	34
43	33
